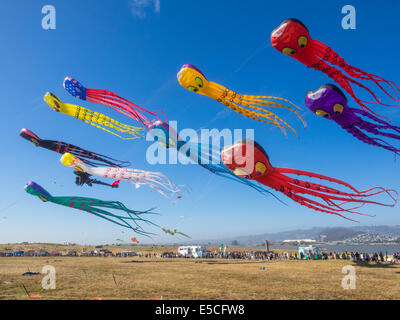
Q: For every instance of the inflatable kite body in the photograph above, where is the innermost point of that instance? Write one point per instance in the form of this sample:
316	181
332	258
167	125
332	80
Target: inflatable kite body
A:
327	199
155	180
292	38
88	157
331	103
203	154
83	178
112	100
95	207
93	118
135	240
250	106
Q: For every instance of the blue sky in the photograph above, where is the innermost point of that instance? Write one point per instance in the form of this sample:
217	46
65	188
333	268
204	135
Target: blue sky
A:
136	52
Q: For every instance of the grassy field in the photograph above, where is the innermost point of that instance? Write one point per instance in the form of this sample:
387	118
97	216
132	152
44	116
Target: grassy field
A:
148	278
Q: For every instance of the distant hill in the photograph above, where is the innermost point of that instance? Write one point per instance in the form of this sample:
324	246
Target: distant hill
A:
337	234
316	233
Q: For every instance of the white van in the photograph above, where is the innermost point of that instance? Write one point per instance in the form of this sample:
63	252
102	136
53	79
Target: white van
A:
128	254
193	251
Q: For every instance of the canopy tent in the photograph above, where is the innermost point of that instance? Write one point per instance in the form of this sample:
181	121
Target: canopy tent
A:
308	251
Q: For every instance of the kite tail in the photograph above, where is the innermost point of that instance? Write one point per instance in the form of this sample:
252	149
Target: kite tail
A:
93	206
373	141
237	106
124	103
106	160
155	180
329	194
100	121
160	183
293	188
281	185
90	157
119	106
373	128
328	54
322	177
110	99
123	220
210	158
317	206
384	124
345	82
230	175
257	100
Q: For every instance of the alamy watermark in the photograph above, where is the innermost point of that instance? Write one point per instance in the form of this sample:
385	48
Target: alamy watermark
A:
203	147
349	20
349	281
49	20
49	281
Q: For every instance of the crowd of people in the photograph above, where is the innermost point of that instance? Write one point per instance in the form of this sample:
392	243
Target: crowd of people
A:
253	255
355	256
243	255
149	255
264	255
396	256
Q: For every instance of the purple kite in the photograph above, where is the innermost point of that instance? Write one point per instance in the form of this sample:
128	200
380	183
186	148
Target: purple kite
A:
331	103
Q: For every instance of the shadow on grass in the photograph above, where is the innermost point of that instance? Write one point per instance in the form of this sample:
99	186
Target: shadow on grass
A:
232	262
147	261
375	265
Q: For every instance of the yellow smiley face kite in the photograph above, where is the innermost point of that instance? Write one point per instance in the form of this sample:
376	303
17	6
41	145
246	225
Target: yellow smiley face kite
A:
250	106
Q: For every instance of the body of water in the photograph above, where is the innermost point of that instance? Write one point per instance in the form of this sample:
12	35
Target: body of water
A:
364	248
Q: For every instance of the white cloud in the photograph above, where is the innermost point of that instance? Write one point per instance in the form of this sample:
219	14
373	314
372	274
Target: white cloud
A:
139	7
157	6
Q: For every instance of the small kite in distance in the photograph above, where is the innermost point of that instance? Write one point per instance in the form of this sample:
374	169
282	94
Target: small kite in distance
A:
135	240
174	232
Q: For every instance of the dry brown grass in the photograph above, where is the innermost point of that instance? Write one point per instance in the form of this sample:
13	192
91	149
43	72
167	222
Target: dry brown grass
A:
85	278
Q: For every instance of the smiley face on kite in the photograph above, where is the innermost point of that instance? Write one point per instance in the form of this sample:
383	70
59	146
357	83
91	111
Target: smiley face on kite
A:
330	103
292	38
250	106
257	166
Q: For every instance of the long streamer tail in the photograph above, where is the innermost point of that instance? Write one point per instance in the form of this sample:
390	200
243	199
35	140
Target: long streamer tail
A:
328	54
372	141
384	124
239	104
112	100
394	197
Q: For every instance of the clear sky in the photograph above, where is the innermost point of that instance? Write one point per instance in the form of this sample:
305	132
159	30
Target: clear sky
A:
135	48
